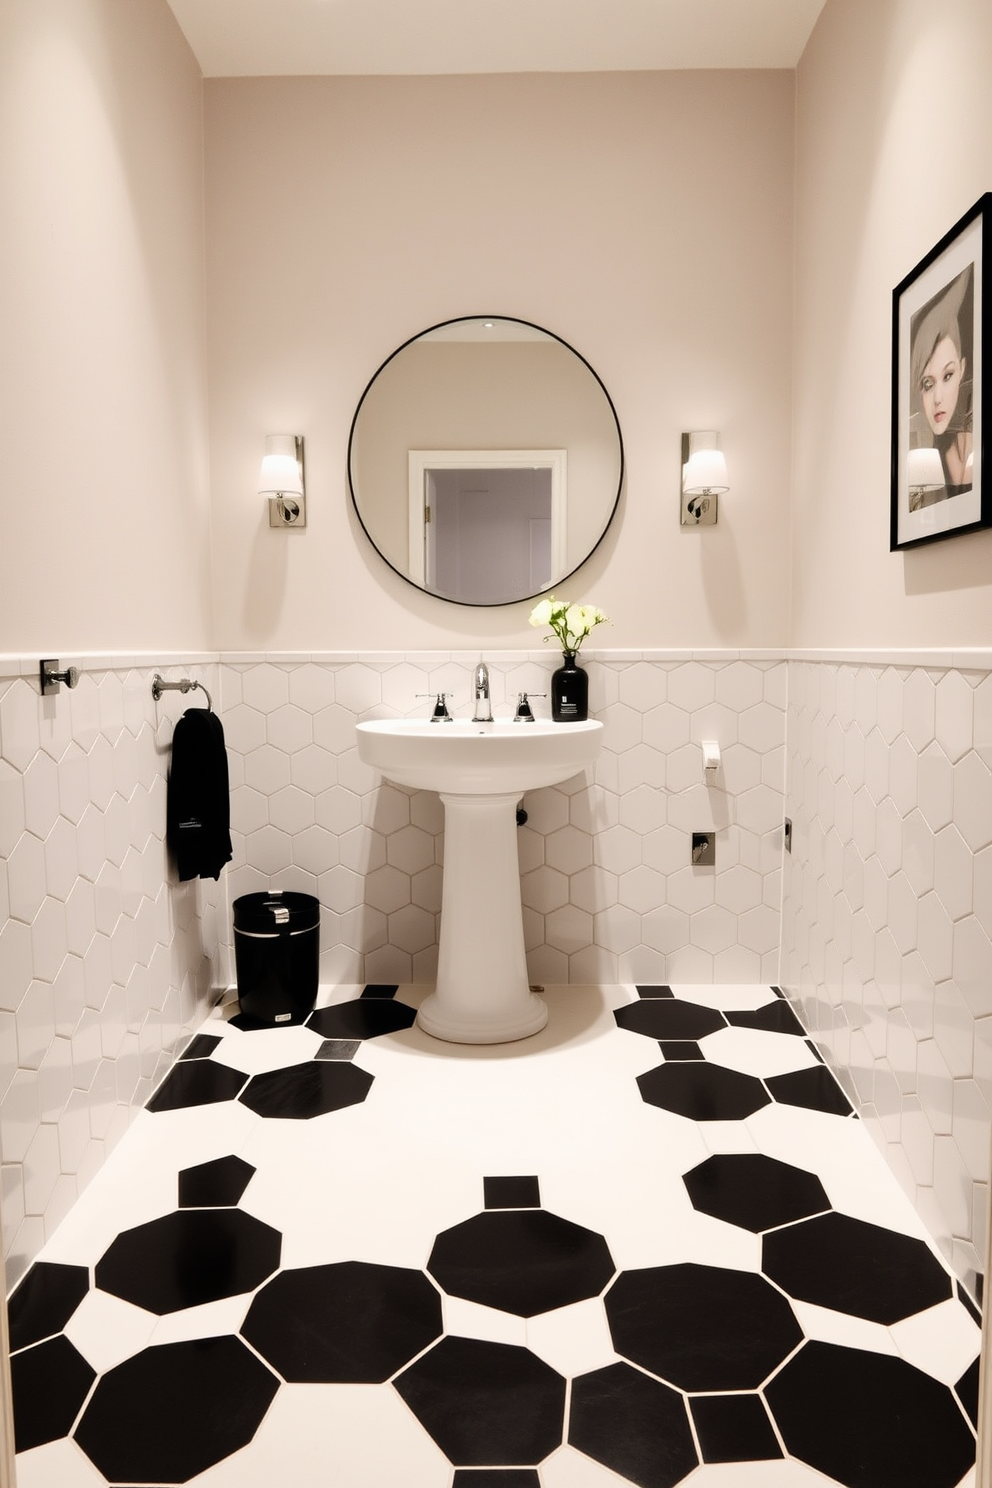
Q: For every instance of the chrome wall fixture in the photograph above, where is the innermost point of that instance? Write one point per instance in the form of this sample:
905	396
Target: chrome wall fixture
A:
281	479
51	679
159	685
704	476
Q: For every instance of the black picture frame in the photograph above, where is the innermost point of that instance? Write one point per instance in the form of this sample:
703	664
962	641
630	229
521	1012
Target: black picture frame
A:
940	323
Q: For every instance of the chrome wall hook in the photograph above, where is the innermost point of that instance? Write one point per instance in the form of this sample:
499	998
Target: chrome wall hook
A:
51	679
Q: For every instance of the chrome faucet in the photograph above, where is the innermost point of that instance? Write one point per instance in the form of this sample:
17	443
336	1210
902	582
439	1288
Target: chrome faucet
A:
483	707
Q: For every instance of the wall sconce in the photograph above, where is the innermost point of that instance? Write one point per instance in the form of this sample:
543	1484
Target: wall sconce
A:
704	475
924	473
281	479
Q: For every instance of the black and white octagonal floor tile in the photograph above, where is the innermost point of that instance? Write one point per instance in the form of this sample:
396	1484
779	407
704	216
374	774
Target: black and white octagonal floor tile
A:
498	1268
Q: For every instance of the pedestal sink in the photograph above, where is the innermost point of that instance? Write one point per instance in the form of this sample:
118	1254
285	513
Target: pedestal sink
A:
480	771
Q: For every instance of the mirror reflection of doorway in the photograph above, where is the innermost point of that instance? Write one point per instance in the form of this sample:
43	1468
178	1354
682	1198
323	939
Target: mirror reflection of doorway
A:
487	527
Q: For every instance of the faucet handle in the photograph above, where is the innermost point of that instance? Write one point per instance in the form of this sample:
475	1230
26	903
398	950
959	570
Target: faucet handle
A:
524	713
440	714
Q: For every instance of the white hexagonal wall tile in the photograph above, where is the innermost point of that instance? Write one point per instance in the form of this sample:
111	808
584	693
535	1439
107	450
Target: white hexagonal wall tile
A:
311	687
618	849
244	728
935	942
339	810
313	769
973	801
265	687
269	850
341	889
19	726
291	809
314	849
971	965
544	889
266	769
642	889
289	728
953	715
358	688
334	729
387	889
568	850
410	849
41	795
27	883
666	728
593	889
425	888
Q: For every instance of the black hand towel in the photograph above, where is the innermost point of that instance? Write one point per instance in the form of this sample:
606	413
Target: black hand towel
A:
198	808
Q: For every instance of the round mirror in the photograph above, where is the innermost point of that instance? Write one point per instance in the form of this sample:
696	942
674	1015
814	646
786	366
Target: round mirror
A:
485	460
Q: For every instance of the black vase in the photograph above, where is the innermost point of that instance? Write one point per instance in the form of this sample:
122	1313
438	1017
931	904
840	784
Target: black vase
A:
569	691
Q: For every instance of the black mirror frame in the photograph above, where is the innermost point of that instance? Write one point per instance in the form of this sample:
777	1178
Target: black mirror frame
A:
458	320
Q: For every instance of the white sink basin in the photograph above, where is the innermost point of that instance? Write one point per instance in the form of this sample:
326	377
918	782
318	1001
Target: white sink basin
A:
463	758
480	771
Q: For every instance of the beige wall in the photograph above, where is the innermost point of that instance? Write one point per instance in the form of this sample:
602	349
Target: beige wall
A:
103	408
894	144
646	218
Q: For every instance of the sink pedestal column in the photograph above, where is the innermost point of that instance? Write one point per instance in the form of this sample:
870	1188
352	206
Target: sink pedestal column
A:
483	994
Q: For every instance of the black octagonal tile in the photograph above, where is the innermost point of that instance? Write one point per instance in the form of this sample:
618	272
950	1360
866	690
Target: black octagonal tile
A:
734	1428
200	1082
703	1091
870	1420
201	1046
368	1017
669	1018
814	1089
701	1327
303	1091
633	1425
352	1322
855	1267
49	1382
189	1257
172	1411
214	1184
45	1301
774	1017
966	1390
486	1404
523	1261
754	1191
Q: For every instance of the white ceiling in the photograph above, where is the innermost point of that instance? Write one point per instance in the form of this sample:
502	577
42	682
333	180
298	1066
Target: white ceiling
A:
254	38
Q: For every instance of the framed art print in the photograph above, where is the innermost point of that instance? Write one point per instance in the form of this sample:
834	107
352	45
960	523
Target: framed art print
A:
939	320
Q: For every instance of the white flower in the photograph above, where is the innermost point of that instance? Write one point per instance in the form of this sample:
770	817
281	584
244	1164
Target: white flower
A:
570	623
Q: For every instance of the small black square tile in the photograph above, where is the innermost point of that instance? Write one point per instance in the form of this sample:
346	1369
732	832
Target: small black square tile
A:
659	991
342	1049
733	1428
512	1193
680	1049
814	1051
380	989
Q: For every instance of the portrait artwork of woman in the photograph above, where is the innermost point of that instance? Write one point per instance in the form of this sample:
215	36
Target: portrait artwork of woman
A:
942	335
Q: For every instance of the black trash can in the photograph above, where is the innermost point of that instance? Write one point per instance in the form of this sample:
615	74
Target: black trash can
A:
277	955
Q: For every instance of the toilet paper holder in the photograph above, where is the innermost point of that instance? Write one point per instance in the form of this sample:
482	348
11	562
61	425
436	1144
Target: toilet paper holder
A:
711	758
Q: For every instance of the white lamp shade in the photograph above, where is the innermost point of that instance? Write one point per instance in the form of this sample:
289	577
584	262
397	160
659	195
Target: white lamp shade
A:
280	473
705	472
924	471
